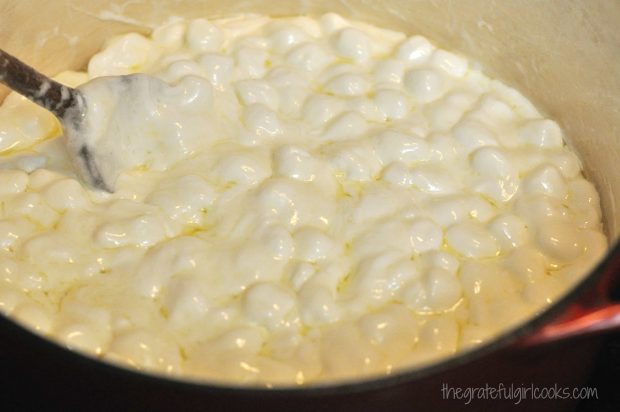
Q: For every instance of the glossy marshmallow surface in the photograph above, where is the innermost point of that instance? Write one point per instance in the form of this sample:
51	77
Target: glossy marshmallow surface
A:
361	202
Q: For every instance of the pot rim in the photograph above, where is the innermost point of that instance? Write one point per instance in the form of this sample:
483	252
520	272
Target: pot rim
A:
610	263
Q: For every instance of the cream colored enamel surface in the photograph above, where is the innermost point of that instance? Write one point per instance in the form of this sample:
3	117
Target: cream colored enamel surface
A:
360	202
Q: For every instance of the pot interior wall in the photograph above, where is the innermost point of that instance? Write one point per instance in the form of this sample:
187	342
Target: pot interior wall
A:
564	56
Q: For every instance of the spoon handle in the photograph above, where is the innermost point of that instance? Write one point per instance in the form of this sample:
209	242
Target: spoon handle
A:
37	87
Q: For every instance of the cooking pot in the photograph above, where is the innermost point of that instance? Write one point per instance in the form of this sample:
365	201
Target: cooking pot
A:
564	56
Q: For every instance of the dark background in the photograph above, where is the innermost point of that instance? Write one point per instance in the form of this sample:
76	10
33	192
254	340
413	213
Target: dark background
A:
606	378
606	374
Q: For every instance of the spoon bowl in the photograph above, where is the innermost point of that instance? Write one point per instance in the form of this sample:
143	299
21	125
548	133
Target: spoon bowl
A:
116	123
